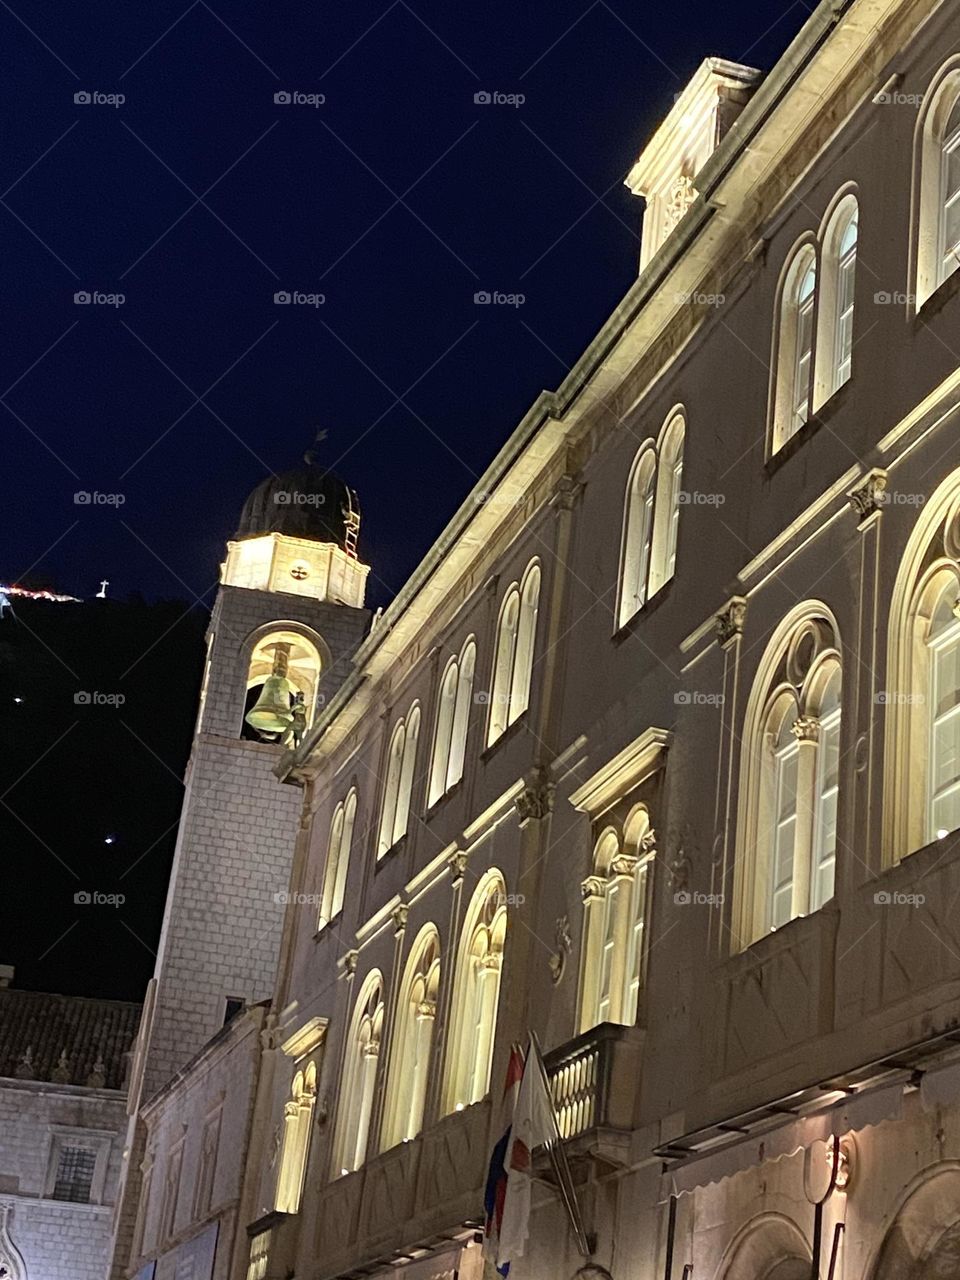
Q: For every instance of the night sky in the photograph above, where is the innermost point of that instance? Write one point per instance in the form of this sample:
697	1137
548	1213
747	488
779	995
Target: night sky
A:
396	200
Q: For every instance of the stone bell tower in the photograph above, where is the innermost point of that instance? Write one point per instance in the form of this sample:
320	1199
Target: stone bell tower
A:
288	615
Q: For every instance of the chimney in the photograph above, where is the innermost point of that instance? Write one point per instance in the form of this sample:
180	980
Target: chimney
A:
6	976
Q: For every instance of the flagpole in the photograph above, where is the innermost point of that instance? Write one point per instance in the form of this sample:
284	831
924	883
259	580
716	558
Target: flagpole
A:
559	1161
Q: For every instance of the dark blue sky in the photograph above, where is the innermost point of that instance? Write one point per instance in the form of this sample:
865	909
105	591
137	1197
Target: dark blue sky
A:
200	197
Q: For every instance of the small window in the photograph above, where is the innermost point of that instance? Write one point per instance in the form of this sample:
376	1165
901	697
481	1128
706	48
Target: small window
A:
75	1171
232	1006
834	360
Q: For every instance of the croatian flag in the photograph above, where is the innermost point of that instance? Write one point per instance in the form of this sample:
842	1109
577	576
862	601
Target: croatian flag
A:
497	1176
534	1125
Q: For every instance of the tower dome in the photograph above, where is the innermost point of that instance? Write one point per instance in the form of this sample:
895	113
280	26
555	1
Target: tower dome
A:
308	501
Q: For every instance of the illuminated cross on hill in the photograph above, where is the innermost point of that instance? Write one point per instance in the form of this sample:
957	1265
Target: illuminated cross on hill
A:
101	595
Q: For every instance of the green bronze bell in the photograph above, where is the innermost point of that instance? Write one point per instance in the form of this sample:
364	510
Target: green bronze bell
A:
272	712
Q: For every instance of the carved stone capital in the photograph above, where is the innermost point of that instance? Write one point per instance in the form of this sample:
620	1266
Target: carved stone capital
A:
729	621
806	729
593	888
624	864
348	963
399	916
567	492
868	496
535	801
457	864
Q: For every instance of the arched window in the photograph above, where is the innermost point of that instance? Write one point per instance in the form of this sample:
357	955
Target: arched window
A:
787	836
938	243
616	908
295	1143
666	512
794	350
513	661
359	1077
453	716
835	325
922	801
651	518
413	1039
338	858
398	788
476	995
637	534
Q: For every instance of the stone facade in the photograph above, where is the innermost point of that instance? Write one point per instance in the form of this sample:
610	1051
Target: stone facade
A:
690	757
62	1092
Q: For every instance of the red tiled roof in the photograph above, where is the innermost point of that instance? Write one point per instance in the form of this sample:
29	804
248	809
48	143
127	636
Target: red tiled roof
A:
89	1031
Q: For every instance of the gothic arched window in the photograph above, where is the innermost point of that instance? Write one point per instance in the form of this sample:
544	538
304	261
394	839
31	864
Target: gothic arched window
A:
938	232
922	700
616	909
412	1041
477	994
295	1142
787	837
359	1077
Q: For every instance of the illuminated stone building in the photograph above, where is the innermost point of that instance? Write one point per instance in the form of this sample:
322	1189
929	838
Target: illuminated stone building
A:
658	752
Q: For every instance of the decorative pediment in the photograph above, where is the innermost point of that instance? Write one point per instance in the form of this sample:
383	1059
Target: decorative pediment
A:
618	777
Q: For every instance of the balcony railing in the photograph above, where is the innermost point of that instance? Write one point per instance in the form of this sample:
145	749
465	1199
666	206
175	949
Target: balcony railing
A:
594	1079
